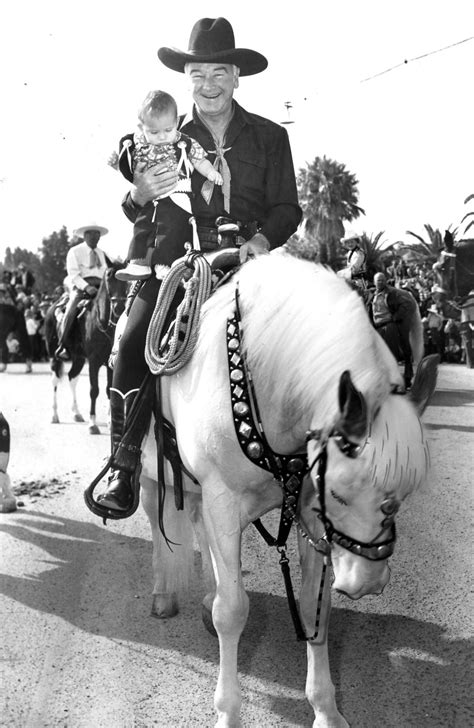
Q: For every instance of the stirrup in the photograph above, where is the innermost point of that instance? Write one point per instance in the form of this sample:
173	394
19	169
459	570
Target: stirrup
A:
103	511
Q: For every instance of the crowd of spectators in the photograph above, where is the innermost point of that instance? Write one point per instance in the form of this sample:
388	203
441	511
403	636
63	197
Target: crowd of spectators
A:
440	317
19	286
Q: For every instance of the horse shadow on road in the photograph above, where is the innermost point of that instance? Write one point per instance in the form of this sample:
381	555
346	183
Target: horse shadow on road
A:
388	669
451	398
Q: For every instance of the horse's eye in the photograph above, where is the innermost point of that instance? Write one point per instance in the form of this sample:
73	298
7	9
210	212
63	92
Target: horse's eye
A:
338	498
349	449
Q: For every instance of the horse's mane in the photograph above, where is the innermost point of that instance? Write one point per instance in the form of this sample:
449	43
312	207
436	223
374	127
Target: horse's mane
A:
302	327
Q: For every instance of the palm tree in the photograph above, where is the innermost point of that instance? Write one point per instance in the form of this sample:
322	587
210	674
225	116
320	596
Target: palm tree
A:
328	196
429	249
470	224
376	257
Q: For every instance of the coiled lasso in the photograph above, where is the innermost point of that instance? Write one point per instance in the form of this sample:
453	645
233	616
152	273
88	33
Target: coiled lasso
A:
179	348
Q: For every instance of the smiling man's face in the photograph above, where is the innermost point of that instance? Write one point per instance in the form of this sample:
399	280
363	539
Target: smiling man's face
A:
213	86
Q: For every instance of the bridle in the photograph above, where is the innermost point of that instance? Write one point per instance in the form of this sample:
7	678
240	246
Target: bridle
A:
375	550
114	303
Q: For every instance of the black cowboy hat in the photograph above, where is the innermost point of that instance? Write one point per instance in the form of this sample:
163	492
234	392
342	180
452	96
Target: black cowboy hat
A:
212	41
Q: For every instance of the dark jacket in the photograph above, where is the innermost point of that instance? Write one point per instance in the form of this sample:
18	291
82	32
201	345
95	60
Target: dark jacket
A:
401	305
23	278
263	185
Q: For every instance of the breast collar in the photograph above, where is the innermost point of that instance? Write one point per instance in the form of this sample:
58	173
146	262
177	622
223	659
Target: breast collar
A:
288	470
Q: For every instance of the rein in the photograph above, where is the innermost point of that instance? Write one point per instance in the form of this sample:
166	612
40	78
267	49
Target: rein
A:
114	303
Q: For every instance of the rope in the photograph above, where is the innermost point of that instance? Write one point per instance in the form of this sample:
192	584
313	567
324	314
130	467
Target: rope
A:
168	359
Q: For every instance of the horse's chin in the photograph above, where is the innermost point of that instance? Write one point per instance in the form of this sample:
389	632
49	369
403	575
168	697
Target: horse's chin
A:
356	577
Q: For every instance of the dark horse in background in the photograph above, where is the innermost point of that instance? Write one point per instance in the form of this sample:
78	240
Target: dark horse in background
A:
12	320
455	272
455	267
90	340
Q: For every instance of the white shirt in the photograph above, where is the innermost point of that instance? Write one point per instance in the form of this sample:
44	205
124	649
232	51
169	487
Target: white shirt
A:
356	260
79	267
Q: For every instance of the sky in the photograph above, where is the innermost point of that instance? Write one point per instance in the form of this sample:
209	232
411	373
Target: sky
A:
73	75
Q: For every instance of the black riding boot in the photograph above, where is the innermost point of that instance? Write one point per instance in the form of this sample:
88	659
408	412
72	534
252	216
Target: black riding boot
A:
118	495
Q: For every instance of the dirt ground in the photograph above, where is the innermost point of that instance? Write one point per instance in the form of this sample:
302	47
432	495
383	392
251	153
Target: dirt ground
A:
79	648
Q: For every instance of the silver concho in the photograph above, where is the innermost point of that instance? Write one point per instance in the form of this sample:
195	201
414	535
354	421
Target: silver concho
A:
390	506
236	375
233	344
295	465
254	450
241	409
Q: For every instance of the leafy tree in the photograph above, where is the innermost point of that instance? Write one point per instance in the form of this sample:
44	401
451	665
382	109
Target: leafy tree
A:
53	259
13	258
328	196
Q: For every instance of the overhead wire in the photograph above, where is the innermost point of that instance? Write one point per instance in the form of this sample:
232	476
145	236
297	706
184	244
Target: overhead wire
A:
416	58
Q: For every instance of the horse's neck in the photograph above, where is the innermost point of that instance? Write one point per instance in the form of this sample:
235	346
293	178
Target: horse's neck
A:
101	304
284	421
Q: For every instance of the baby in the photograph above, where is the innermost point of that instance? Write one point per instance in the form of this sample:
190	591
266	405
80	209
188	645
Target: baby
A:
159	141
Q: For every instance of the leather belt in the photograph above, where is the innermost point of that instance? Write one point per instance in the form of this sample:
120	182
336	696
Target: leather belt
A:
209	237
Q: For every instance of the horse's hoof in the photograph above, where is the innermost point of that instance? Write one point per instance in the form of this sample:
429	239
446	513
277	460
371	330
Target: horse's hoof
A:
164	606
3	367
8	505
78	418
94	430
207	621
55	420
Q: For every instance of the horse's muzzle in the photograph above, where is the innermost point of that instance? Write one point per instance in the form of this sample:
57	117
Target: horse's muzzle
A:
356	577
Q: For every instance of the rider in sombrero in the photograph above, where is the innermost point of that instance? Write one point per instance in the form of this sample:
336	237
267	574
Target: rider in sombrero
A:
259	192
85	265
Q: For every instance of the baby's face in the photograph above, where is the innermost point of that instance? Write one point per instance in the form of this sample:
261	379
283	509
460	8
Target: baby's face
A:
160	129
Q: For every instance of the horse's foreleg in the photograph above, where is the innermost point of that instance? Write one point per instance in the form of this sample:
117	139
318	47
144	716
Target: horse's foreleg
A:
193	506
171	568
94	393
73	377
56	365
231	605
315	607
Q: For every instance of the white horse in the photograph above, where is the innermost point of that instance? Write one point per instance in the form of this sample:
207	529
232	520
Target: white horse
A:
324	384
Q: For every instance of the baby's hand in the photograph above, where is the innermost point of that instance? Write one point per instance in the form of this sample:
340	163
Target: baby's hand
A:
216	177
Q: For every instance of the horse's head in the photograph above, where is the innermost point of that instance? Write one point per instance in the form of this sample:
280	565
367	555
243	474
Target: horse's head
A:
115	290
363	468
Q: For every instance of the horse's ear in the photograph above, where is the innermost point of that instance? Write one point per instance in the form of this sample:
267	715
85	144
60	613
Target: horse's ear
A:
353	419
108	261
448	240
424	383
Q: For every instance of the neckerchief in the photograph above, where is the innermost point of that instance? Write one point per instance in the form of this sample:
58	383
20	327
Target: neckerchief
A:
220	164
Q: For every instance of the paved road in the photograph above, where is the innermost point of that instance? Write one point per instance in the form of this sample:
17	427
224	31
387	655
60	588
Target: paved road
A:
79	648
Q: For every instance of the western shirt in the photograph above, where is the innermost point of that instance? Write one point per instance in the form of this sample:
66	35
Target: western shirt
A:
79	265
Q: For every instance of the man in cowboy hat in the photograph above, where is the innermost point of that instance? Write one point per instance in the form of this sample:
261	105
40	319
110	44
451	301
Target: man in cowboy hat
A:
85	265
253	156
355	259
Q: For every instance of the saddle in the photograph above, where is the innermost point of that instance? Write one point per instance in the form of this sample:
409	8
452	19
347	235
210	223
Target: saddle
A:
223	264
